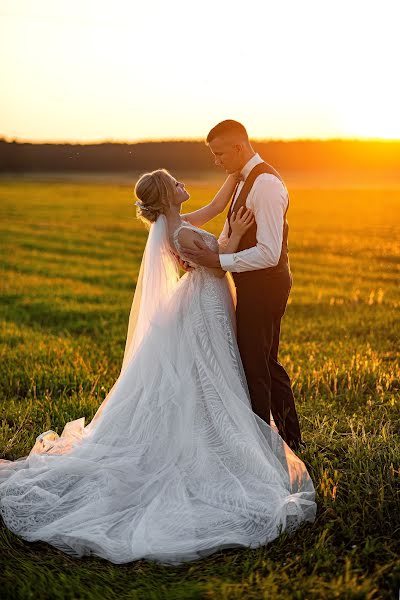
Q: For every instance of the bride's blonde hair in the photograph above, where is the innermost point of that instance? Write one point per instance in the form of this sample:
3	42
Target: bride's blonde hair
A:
152	191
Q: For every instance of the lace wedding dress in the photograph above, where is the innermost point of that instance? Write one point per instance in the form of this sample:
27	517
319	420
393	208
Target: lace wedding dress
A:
174	465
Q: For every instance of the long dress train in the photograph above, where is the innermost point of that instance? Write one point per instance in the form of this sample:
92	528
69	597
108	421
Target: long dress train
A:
174	465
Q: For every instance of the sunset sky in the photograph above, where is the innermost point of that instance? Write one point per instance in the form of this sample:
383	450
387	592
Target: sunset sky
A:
90	70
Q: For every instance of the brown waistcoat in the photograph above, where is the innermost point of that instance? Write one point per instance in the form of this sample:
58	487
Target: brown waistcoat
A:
249	239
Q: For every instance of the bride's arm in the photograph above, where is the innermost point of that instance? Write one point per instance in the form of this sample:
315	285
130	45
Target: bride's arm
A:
216	206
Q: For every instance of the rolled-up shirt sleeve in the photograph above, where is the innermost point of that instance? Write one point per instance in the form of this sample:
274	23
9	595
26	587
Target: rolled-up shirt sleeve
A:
268	200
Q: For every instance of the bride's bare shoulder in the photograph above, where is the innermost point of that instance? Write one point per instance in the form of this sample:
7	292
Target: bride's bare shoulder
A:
187	237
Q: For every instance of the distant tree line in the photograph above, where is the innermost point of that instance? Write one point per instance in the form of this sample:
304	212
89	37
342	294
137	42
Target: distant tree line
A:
301	155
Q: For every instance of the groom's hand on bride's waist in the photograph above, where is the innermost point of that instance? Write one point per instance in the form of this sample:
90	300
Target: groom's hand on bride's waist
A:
202	255
186	266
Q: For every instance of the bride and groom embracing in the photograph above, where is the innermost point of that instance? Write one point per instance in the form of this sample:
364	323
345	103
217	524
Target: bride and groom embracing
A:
180	459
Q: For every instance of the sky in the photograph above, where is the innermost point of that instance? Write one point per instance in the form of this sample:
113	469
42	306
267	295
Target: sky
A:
123	70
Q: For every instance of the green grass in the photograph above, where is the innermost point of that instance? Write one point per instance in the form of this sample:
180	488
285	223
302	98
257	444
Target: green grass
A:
70	257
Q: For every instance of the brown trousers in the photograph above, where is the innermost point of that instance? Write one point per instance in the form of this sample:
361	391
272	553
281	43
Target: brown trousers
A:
260	307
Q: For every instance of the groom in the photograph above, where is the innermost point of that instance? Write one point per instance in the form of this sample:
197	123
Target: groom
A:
261	272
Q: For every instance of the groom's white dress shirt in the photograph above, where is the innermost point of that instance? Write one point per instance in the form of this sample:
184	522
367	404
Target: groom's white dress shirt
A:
268	199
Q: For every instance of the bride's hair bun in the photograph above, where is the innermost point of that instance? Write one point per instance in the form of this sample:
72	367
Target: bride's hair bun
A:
153	191
146	213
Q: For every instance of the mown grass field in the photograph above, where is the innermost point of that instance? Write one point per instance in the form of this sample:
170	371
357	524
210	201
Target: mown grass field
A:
70	256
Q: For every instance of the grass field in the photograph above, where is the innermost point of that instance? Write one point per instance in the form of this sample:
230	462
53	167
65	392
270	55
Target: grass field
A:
70	257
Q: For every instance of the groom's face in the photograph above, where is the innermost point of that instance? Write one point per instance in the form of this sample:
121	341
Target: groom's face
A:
227	153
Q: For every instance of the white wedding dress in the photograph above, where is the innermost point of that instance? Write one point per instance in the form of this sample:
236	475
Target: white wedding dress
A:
174	465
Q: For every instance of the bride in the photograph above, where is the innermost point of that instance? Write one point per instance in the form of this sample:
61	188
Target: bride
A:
174	465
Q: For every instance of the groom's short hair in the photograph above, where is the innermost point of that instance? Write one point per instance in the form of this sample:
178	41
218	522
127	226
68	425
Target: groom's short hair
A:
228	127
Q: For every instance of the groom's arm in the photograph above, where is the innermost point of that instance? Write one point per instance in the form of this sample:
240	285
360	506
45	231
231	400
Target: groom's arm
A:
191	241
268	201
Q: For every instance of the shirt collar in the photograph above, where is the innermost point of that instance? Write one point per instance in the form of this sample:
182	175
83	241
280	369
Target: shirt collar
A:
254	160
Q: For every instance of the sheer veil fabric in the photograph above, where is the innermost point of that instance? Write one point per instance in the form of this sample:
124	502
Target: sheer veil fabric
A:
174	465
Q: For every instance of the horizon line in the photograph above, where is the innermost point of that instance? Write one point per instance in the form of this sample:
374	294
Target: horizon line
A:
21	140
